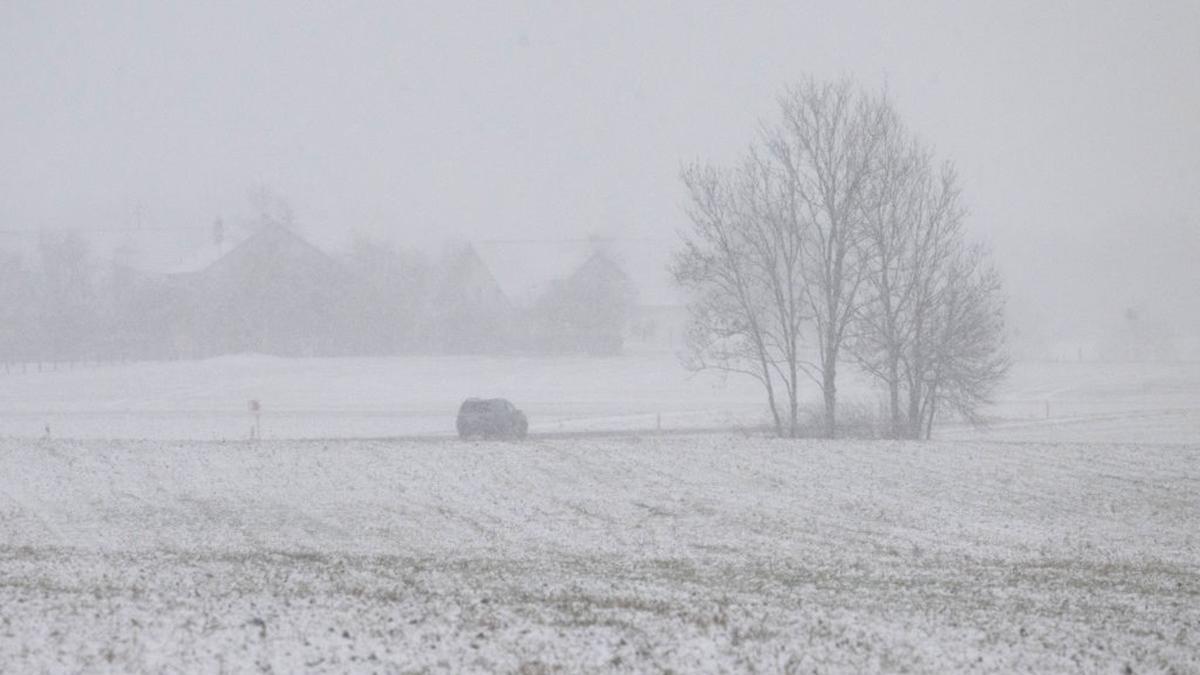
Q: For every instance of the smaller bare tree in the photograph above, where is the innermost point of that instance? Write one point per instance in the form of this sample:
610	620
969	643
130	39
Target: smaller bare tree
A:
966	358
741	260
889	253
929	325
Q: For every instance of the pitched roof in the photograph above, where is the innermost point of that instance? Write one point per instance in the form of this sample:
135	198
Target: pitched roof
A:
269	240
526	269
464	271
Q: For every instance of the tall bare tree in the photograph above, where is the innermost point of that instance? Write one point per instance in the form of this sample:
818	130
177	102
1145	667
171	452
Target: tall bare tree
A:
826	145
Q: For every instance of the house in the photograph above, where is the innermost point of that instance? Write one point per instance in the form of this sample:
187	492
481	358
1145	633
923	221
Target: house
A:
273	293
588	311
162	296
470	313
545	279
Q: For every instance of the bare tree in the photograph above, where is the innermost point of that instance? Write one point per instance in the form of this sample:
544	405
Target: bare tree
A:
929	324
837	222
912	226
742	259
965	358
826	146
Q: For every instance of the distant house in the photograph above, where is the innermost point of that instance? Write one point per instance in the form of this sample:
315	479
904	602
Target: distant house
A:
270	291
470	312
273	293
588	311
597	296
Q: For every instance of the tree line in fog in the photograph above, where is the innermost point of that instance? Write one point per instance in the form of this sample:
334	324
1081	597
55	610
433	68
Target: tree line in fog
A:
274	293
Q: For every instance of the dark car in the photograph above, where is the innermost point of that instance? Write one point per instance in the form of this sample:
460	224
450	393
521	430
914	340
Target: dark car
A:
491	418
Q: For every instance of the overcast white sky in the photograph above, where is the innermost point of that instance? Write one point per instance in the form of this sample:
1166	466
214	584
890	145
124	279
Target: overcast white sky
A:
1076	125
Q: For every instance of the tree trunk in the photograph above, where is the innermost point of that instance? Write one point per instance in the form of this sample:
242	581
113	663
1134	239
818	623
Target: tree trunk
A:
932	412
795	421
916	415
774	411
829	390
894	397
771	399
793	400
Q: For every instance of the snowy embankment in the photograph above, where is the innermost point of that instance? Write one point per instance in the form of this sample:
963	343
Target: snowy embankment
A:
690	553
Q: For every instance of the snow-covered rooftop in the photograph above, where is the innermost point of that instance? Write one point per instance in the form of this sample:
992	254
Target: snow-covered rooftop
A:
525	269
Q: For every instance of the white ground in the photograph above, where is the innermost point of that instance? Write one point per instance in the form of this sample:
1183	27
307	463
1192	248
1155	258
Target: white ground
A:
685	553
1060	542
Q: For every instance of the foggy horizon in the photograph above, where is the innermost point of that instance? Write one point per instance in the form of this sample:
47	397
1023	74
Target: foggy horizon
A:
1073	126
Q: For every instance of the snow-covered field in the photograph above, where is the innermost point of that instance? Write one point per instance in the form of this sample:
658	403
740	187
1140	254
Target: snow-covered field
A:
145	533
688	553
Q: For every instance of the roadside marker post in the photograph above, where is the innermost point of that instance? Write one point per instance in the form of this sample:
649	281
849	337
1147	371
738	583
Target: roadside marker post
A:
256	410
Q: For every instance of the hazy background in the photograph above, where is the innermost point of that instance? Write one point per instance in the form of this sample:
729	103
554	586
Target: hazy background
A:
1076	126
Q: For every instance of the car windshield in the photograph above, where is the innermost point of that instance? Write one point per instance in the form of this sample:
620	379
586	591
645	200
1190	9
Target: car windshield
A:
482	406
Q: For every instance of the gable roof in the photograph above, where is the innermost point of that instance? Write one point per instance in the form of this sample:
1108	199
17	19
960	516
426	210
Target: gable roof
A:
464	273
599	265
270	240
525	270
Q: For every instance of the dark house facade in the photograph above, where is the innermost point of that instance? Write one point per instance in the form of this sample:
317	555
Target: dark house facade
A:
274	293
